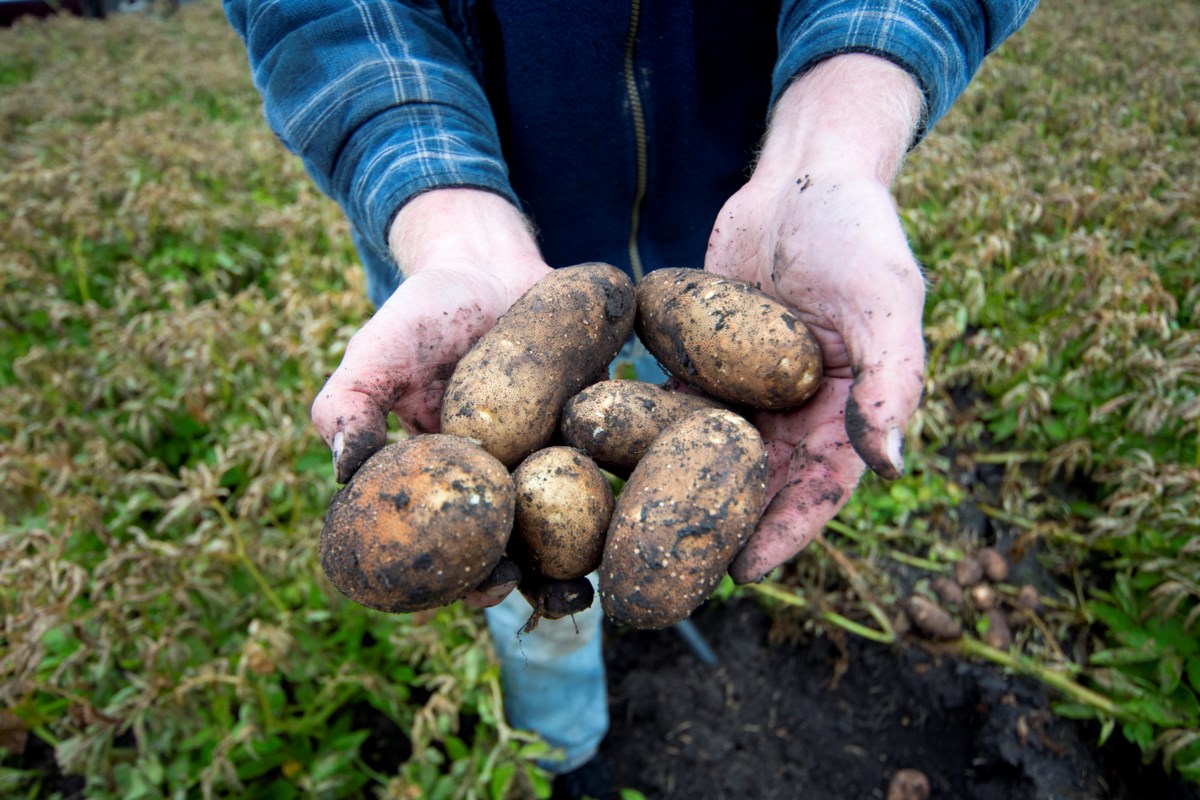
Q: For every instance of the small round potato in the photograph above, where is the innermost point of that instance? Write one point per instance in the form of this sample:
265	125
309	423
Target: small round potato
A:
728	338
684	514
509	390
615	422
420	523
564	504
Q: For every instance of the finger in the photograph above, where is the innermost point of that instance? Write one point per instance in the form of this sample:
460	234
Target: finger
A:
808	482
499	583
350	412
400	360
887	352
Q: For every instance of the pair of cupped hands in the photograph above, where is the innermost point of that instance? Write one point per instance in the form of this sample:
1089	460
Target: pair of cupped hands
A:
815	227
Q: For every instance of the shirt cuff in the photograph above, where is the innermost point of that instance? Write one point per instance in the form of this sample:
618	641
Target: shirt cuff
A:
406	151
940	43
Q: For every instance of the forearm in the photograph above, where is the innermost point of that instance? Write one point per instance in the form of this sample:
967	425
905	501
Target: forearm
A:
940	42
469	230
854	114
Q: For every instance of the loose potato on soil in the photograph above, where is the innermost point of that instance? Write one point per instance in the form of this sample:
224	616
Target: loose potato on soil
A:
728	338
685	512
930	618
419	524
563	508
509	390
616	421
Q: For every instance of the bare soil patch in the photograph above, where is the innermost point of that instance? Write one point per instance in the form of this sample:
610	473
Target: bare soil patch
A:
833	721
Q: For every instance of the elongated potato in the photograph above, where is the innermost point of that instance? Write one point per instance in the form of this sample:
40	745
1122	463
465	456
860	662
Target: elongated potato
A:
564	504
420	523
684	514
616	421
728	338
509	390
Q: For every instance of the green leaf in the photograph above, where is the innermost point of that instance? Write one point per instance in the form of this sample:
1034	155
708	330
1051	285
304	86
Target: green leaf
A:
1120	656
1193	672
1141	733
1106	730
1153	709
1112	617
1056	429
455	749
502	779
1076	711
1169	670
1184	701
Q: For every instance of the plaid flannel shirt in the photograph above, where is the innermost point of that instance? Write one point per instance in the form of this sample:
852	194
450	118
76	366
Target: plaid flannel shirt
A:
380	100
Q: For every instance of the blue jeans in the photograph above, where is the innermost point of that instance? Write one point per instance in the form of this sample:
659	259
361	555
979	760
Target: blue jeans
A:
553	678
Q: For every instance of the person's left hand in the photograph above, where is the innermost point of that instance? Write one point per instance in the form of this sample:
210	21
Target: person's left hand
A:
818	230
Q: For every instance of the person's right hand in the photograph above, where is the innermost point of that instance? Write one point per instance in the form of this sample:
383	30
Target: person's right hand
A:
467	255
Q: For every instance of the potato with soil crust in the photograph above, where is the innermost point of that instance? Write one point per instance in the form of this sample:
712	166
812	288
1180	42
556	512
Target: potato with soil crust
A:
509	390
728	338
420	523
564	503
615	422
684	514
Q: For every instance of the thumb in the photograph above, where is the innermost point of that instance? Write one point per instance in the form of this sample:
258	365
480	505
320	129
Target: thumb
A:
350	412
887	354
351	423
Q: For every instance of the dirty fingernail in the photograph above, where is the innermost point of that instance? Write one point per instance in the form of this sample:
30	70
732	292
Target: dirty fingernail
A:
338	444
895	448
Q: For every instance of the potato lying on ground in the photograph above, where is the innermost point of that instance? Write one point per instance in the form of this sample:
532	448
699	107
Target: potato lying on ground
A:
616	421
685	512
564	504
509	390
419	524
728	338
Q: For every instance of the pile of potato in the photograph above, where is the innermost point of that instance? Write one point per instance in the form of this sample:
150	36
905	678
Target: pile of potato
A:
427	519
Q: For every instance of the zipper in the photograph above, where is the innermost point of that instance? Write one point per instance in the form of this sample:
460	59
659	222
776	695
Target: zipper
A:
639	136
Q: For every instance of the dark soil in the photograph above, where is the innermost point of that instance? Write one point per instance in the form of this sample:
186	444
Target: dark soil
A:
817	721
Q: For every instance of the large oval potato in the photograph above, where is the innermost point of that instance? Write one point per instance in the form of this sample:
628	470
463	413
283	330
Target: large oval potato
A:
420	523
728	338
684	514
509	390
615	422
564	504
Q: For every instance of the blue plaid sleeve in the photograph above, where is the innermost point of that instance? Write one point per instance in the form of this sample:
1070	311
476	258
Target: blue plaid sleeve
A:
941	42
377	99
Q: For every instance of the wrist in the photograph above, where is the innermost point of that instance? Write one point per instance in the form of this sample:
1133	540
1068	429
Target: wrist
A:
852	115
466	230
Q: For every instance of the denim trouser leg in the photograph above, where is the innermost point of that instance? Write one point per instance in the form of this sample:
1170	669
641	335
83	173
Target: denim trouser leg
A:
553	678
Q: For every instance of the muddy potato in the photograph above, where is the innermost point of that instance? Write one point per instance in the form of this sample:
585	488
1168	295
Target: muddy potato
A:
563	508
551	598
686	511
909	784
930	618
616	421
509	390
420	523
728	338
